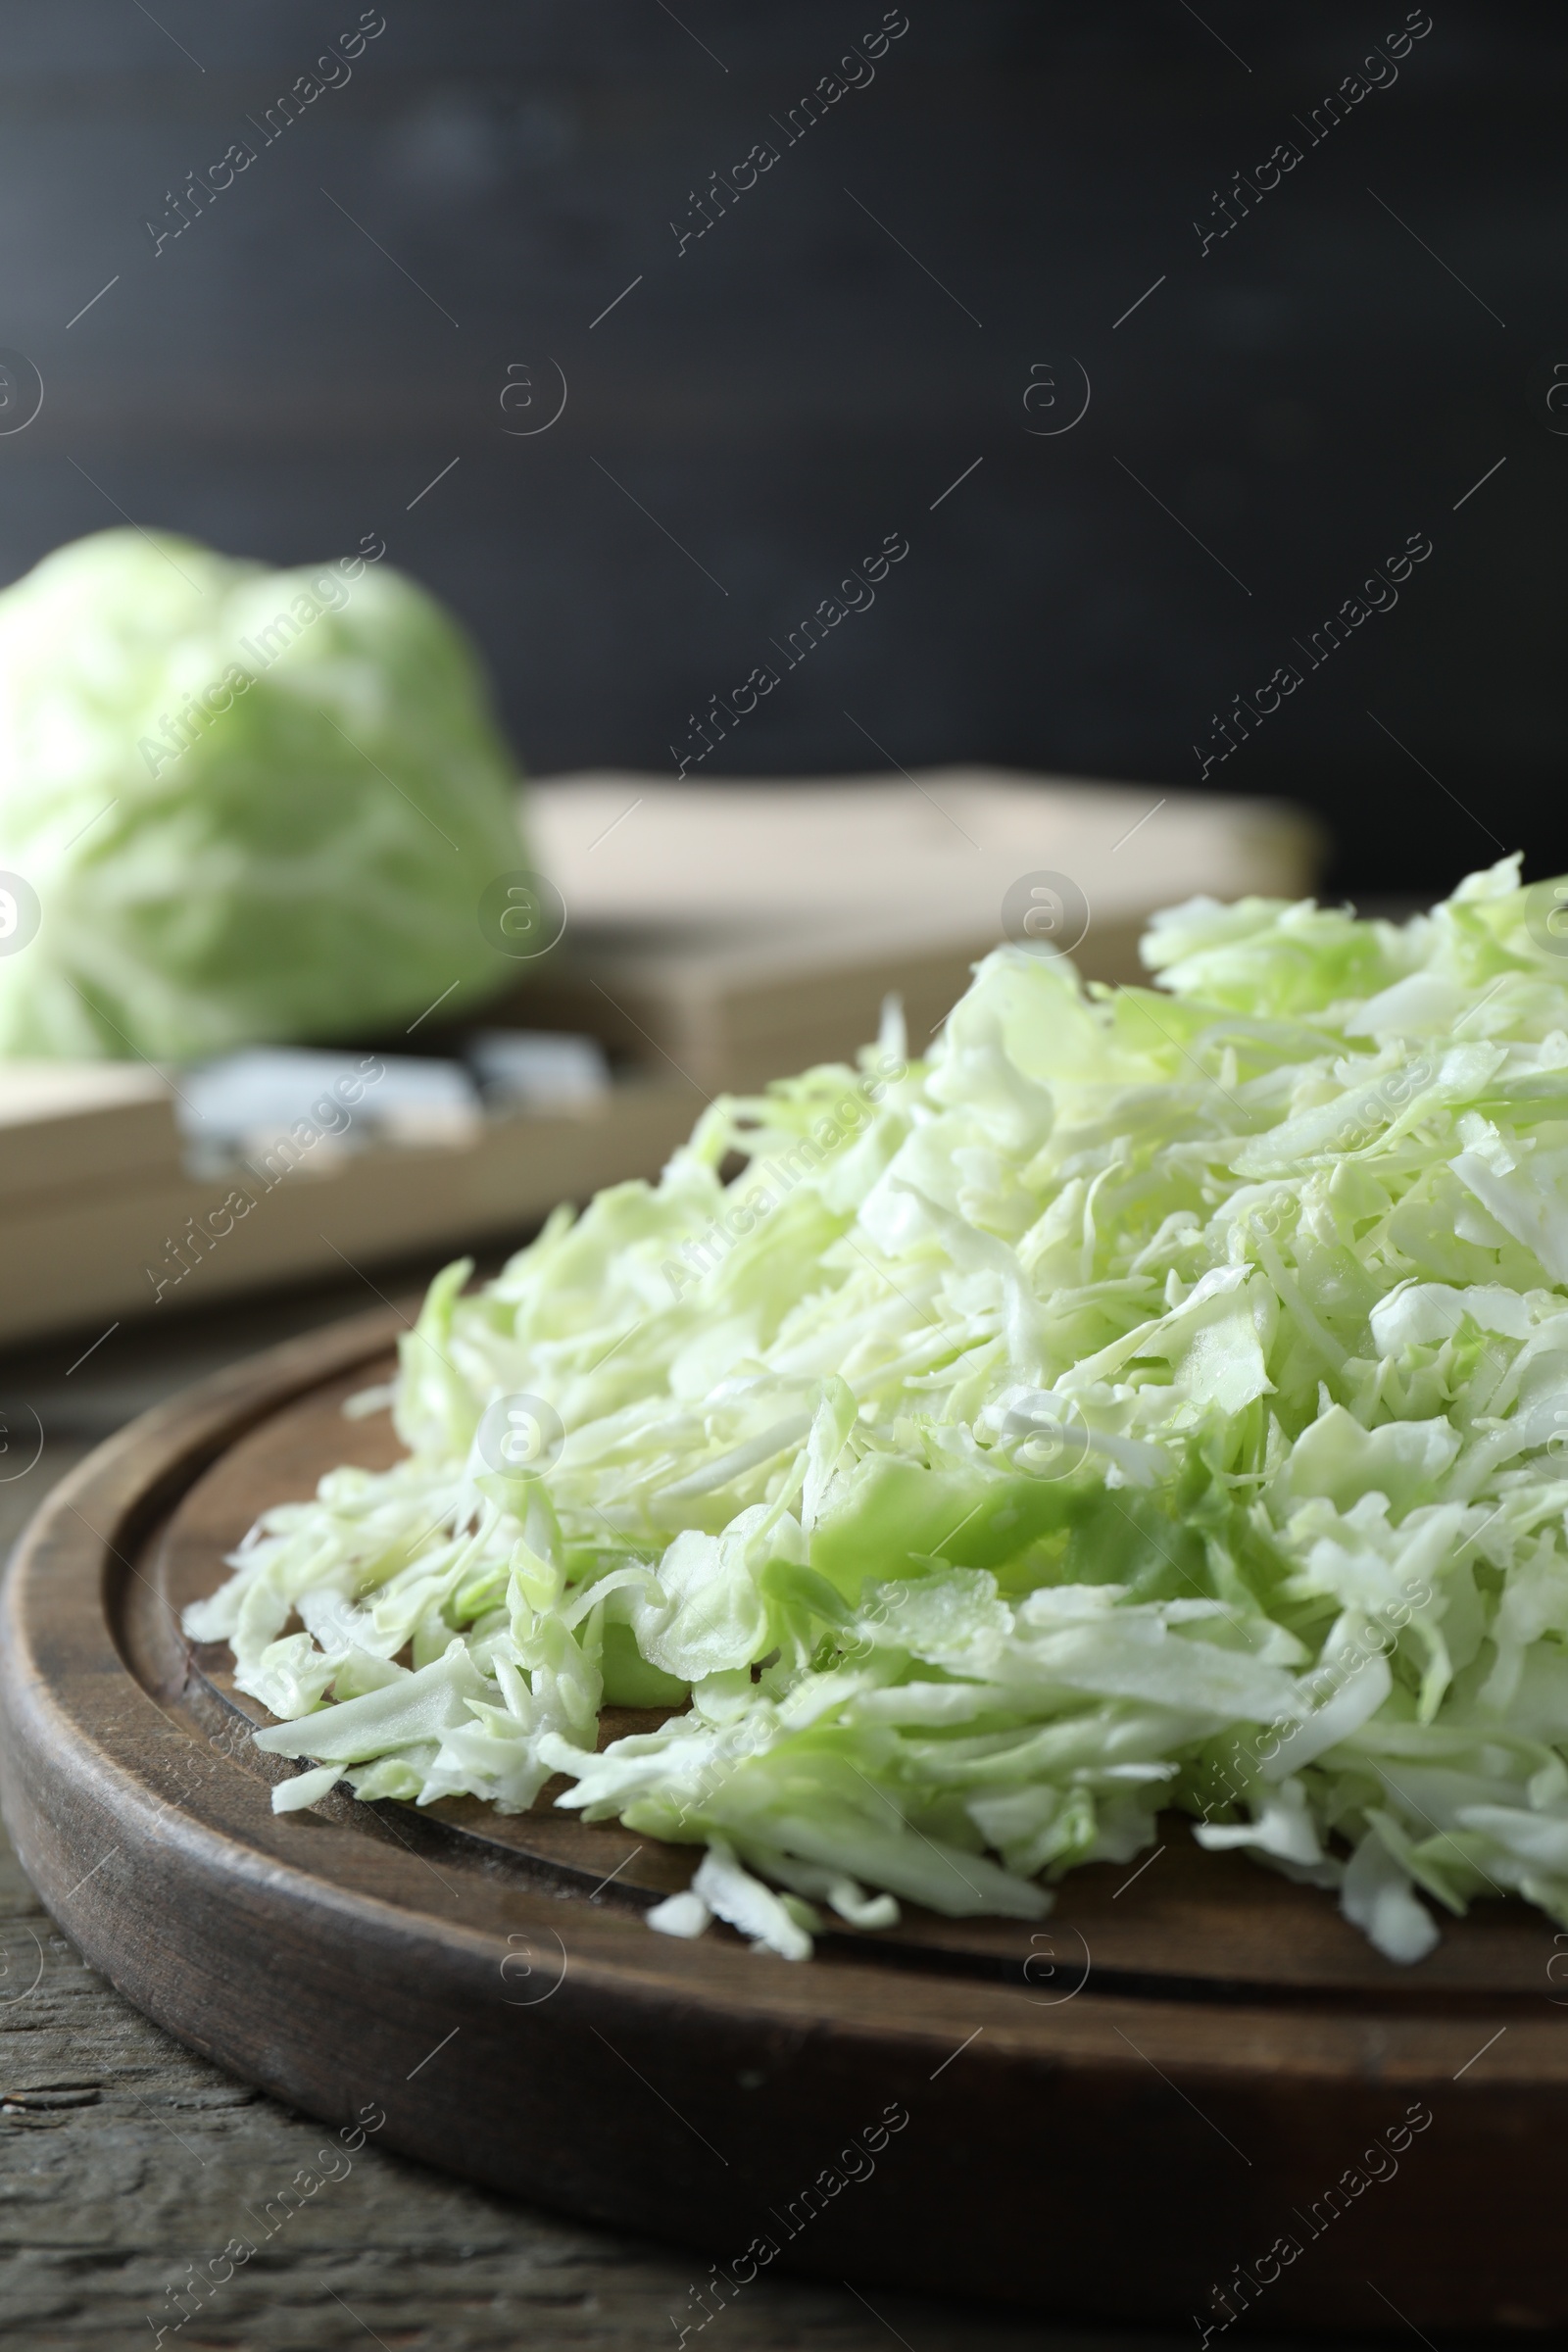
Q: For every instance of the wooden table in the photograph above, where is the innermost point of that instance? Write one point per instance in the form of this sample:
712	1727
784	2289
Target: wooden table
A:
123	2157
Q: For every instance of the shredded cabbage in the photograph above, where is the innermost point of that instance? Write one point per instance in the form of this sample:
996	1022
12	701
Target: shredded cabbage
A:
1154	1399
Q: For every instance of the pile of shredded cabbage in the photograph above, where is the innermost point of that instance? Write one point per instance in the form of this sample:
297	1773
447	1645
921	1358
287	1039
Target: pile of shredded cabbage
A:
1155	1399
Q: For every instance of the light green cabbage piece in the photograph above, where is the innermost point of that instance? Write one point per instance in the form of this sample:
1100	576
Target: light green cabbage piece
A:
1150	1400
304	862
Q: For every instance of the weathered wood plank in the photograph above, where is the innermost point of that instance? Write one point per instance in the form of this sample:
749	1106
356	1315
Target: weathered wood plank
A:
125	2160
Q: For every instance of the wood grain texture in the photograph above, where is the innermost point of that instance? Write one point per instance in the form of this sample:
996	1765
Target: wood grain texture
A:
1222	2060
126	2159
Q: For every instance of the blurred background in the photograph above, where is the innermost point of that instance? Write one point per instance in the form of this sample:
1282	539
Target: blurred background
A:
891	328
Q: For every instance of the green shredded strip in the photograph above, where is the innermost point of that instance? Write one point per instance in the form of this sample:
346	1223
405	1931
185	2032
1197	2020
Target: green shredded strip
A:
1157	1399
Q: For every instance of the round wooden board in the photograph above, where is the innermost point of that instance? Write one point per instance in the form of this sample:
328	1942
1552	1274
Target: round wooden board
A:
1192	2061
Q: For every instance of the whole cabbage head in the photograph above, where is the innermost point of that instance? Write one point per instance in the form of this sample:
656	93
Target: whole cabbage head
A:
249	805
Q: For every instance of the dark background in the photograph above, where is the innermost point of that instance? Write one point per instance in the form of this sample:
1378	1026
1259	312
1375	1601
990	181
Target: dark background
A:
794	386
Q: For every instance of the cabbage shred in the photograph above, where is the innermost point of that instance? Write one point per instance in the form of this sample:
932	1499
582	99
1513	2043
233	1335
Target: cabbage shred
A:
1155	1399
